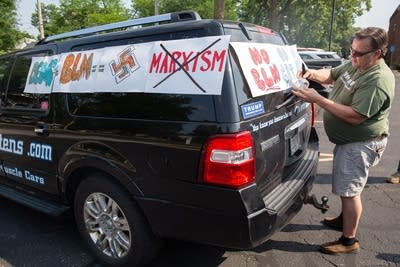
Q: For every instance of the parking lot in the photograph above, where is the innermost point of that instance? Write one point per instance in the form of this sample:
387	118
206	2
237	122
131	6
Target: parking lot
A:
29	238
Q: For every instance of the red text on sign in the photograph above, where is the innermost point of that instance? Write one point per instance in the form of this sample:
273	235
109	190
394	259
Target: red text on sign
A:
265	74
207	61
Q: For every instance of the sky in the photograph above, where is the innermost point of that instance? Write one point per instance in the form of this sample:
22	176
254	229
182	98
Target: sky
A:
378	16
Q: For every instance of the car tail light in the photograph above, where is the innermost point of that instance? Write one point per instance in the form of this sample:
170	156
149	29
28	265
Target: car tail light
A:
228	160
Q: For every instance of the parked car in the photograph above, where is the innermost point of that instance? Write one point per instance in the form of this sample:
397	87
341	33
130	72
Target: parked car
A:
87	124
320	59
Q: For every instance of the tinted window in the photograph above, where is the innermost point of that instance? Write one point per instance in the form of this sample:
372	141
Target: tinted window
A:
16	98
303	56
143	106
237	35
4	74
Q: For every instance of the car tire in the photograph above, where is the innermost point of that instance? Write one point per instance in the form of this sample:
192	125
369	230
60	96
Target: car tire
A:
111	224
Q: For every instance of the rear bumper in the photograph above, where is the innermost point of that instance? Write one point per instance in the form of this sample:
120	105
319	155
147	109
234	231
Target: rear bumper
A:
233	218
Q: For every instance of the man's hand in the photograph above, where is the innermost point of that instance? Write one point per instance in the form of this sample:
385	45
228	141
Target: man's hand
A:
306	74
346	113
322	76
308	95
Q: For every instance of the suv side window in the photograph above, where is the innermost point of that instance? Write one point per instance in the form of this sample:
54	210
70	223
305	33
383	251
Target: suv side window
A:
15	97
173	107
4	74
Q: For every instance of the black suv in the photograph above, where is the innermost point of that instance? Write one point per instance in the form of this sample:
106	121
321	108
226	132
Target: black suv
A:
228	169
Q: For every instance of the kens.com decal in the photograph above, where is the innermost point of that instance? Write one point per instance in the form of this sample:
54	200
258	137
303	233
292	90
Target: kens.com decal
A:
34	149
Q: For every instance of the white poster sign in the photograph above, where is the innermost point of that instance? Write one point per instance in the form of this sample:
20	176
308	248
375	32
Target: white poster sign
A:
200	66
42	74
187	66
268	68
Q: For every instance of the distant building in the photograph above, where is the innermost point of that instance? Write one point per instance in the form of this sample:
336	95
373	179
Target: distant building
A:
394	39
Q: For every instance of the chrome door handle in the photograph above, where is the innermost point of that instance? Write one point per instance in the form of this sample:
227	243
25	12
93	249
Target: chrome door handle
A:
41	130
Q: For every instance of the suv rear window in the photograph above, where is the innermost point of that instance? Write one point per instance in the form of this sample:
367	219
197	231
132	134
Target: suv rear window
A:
257	36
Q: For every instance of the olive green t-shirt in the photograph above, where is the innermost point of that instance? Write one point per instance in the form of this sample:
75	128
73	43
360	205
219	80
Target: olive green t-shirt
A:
368	92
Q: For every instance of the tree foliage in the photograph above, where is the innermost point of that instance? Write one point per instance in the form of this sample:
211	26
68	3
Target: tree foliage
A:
9	34
307	22
205	8
304	22
78	14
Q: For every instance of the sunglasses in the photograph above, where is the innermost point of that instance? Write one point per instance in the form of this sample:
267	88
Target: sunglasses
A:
355	53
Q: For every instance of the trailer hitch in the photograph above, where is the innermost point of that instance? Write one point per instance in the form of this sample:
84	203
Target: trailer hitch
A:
323	205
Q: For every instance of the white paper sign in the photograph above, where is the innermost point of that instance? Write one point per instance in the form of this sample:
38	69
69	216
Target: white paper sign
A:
187	66
42	74
268	68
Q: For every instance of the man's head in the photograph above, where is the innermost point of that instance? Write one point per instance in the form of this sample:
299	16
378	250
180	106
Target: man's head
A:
367	47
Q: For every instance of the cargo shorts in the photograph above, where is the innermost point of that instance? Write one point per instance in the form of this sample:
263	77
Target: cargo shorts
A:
351	163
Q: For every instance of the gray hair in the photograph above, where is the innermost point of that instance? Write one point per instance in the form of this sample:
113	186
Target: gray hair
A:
377	36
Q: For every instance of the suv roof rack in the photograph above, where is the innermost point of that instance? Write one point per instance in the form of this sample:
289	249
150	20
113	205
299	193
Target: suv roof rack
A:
168	17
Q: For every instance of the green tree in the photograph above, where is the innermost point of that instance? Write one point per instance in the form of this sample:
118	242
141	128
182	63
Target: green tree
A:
78	14
307	22
9	33
144	8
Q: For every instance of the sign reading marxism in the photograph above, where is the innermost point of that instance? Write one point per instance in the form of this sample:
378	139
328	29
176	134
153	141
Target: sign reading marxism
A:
268	68
188	66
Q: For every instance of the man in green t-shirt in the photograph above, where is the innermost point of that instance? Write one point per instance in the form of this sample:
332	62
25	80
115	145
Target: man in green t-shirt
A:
356	121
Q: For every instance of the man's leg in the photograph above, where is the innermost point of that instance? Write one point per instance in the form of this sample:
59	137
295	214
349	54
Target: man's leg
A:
395	177
352	209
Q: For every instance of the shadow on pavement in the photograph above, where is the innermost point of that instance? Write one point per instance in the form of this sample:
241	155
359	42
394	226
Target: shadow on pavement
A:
291	228
376	180
290	246
179	253
327	178
391	257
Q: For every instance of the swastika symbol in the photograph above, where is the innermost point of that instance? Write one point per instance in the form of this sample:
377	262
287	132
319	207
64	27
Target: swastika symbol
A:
127	64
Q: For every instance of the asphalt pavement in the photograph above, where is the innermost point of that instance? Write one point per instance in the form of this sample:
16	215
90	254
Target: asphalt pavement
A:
29	238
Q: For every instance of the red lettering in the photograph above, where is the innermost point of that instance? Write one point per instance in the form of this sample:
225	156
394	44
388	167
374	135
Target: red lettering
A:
218	58
155	62
195	60
268	80
255	55
275	73
176	55
265	56
186	58
204	57
210	61
164	64
256	76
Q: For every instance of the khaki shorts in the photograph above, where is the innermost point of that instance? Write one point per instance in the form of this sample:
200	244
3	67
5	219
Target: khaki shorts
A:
351	163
